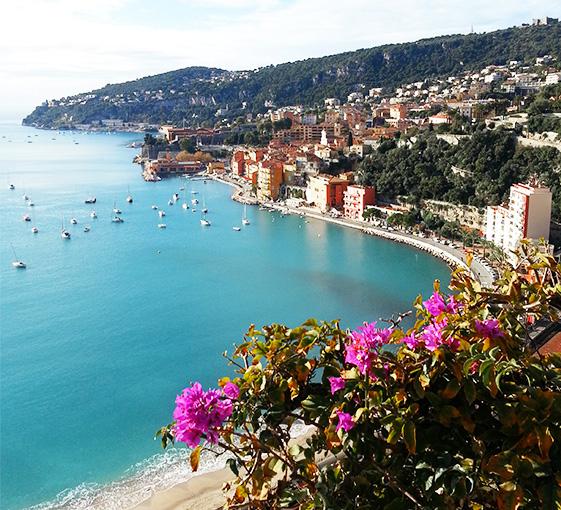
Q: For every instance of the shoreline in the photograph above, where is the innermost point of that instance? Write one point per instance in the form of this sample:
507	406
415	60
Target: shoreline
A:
448	254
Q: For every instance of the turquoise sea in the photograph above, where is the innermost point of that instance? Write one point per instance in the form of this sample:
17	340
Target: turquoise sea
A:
100	333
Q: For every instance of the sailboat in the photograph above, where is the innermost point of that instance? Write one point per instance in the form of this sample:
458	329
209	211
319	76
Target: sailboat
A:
17	263
204	221
245	221
93	215
115	209
129	196
184	205
34	230
12	187
63	232
26	217
161	214
74	221
204	209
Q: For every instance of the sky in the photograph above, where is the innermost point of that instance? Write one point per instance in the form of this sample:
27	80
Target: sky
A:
55	48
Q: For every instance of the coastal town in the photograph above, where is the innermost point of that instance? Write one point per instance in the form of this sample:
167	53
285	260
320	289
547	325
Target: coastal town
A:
309	163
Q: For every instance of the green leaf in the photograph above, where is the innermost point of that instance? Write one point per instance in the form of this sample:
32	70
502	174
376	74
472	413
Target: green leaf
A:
410	436
233	466
469	391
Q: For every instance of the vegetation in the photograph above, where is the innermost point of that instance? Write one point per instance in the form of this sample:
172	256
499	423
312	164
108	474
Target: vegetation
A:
203	95
542	109
478	171
456	412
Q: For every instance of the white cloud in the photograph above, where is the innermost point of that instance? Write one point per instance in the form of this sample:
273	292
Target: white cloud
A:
53	48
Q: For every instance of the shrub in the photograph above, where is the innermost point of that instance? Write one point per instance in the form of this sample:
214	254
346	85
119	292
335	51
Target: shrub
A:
458	411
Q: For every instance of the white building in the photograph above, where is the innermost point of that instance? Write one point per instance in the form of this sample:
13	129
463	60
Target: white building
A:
528	216
552	78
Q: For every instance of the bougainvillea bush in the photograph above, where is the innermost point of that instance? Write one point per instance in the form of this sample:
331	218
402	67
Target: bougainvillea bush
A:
458	411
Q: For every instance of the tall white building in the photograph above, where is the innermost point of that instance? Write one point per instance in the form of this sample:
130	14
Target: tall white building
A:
528	216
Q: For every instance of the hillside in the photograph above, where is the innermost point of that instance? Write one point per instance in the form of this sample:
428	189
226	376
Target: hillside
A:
197	93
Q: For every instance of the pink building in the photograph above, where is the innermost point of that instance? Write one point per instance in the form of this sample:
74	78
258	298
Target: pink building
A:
355	200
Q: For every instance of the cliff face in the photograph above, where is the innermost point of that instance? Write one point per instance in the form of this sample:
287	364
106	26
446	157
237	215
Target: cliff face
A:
201	94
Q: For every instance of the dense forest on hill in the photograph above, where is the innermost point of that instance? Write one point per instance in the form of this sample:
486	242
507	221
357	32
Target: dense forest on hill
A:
490	162
200	94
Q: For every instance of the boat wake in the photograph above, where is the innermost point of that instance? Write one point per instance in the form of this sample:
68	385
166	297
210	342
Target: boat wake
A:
155	474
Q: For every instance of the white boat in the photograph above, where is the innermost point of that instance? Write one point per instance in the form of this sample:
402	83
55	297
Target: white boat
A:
170	202
35	230
93	215
175	197
25	197
161	214
26	217
129	197
117	219
12	187
194	201
162	225
155	207
74	221
17	263
205	222
86	228
65	234
116	210
185	205
91	200
237	229
245	221
194	192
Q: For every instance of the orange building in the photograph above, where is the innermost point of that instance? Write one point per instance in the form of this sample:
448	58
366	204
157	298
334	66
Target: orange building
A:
269	180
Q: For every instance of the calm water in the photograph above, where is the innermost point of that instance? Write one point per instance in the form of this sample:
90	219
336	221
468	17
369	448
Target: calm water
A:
100	333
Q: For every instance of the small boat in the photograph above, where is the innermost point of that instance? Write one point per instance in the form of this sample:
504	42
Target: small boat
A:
161	214
245	221
155	207
74	221
63	232
26	217
25	197
93	215
175	197
205	222
237	229
35	230
185	206
204	210
12	187
194	210
162	225
87	229
91	200
182	188
194	201
116	210
19	264
129	197
194	192
117	219
30	204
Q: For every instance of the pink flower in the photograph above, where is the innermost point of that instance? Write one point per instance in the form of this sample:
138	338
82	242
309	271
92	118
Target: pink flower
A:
489	328
337	383
436	305
411	341
433	336
231	390
197	413
364	344
474	367
346	421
